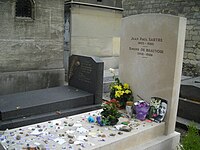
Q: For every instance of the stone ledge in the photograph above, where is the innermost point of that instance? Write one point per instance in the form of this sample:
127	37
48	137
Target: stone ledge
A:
56	130
164	142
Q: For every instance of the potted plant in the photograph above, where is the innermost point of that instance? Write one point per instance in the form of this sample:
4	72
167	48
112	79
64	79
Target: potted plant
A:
110	113
121	92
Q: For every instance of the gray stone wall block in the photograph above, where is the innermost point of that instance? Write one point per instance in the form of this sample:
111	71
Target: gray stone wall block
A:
31	55
186	61
197	51
112	3
185	55
193	32
32	44
57	30
190	44
50	4
28	46
30	80
188	50
191	56
198	57
197	28
188	37
196	37
193	62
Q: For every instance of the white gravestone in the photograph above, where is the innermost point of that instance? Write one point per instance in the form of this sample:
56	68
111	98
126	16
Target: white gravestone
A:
151	57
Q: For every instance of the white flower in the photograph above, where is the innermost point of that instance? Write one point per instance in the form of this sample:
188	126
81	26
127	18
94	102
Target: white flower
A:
112	70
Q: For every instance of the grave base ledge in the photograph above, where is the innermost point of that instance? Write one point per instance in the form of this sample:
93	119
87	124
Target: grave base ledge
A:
164	142
145	138
150	139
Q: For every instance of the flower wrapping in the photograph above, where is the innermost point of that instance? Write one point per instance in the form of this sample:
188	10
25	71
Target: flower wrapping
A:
141	108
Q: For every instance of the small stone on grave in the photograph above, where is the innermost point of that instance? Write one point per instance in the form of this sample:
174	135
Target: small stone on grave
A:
103	135
18	107
40	130
125	129
12	134
112	134
71	141
120	133
70	136
58	112
70	124
18	137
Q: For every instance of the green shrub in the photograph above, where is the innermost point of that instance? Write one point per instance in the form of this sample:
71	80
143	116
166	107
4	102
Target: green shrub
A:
191	141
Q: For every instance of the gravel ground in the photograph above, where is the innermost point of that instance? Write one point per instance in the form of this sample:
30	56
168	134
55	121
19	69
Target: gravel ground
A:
181	131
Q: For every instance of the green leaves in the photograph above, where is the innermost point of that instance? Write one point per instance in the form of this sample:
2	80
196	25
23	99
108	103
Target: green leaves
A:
110	113
192	139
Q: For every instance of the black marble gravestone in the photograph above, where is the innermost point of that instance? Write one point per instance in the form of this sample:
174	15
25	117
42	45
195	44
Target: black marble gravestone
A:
86	73
190	89
84	93
189	101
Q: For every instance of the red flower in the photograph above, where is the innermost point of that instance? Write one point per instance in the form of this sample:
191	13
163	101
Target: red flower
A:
113	101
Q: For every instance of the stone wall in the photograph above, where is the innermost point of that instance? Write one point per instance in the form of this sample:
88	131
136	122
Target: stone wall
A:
112	3
31	49
96	32
186	8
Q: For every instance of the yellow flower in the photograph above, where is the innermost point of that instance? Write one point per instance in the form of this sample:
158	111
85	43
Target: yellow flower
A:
126	86
127	91
119	94
118	87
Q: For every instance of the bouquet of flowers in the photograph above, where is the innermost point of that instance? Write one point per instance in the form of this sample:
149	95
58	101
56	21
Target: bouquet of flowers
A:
110	113
121	92
141	109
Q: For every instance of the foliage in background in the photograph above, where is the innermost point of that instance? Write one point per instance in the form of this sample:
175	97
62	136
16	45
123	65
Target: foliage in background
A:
121	92
191	141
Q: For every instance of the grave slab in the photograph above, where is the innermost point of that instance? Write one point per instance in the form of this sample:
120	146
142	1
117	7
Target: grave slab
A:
32	106
190	89
84	93
189	109
54	134
189	101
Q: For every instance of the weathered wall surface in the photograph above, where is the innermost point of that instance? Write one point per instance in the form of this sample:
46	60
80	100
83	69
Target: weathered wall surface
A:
96	32
31	50
113	3
186	8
